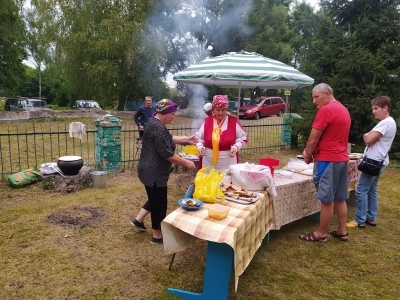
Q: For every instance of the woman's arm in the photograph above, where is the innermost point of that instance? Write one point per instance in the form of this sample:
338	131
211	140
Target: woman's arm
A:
181	161
241	137
371	137
185	140
200	140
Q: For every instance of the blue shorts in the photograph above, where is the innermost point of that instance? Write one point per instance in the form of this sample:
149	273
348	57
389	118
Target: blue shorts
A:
331	180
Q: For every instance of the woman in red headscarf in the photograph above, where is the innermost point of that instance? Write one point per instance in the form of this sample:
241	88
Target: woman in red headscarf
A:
221	136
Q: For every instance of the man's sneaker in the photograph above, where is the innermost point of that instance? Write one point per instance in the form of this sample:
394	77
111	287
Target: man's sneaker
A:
156	241
370	223
138	225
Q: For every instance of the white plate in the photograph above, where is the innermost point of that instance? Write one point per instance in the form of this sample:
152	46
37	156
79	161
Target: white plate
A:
243	201
191	156
69	158
51	164
308	172
283	173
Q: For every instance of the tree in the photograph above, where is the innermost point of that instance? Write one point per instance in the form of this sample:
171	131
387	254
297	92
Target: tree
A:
12	51
38	44
105	51
271	34
356	49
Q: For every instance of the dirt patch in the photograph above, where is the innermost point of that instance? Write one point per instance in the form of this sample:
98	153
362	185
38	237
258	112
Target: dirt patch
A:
78	217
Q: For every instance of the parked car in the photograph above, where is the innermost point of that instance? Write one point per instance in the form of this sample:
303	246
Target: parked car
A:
262	107
85	104
25	104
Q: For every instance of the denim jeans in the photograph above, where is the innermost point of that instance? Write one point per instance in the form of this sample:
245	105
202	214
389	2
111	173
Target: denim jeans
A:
367	197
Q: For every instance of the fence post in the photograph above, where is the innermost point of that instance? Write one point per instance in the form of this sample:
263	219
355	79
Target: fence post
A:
288	138
108	143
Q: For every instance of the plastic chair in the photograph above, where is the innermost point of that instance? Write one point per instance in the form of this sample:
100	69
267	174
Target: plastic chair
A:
190	191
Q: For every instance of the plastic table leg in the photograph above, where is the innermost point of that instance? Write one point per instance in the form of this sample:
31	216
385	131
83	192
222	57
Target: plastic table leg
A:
219	262
266	238
314	217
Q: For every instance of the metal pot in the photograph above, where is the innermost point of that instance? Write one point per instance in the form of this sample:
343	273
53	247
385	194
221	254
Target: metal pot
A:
70	165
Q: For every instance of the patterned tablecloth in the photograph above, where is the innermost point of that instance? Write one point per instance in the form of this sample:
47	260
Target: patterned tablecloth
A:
296	196
354	174
243	229
295	200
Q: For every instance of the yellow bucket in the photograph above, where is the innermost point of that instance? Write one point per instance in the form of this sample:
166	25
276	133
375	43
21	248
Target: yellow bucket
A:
190	150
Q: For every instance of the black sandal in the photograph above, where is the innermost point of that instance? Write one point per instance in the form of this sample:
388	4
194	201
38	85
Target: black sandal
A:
342	237
311	237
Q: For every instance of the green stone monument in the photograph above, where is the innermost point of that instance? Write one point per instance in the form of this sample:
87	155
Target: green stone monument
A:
108	143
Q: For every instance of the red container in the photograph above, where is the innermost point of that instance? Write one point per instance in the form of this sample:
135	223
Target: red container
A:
270	162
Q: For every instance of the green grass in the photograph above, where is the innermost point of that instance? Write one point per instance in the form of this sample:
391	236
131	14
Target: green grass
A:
110	260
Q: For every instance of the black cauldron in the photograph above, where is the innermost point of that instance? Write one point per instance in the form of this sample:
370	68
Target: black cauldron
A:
70	165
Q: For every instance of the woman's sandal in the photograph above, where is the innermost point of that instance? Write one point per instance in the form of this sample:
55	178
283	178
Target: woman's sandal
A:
311	237
342	237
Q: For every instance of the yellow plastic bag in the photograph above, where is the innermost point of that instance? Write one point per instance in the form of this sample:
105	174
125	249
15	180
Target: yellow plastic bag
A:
207	184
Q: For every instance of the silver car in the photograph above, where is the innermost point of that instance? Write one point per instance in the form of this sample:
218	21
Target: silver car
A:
26	104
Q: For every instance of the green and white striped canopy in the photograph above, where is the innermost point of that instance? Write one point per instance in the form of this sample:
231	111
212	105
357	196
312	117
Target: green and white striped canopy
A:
244	69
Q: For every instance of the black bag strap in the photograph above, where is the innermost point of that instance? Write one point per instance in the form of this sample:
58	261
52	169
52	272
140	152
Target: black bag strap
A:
366	150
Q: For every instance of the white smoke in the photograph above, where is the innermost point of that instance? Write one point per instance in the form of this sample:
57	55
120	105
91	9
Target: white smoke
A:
199	98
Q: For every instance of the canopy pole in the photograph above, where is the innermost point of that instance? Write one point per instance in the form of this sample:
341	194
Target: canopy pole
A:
238	107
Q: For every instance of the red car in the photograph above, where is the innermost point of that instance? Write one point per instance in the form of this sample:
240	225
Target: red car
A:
263	107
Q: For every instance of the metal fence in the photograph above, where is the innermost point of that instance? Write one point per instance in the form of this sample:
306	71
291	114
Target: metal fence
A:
28	145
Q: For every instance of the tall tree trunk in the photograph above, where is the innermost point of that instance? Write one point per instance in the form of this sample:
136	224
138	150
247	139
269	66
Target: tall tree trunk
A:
40	80
186	98
121	102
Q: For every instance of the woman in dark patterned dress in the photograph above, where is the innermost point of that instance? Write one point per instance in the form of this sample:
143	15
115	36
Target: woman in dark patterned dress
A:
155	165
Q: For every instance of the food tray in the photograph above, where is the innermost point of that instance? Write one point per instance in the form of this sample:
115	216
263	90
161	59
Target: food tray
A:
354	156
243	201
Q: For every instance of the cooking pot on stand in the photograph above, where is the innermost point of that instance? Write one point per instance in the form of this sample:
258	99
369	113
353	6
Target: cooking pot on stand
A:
70	165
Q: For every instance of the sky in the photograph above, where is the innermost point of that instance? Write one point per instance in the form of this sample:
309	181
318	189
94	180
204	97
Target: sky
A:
313	2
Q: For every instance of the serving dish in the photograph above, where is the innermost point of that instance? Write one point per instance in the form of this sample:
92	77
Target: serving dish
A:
254	199
191	208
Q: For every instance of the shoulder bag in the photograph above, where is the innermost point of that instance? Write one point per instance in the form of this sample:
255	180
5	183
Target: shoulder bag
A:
371	166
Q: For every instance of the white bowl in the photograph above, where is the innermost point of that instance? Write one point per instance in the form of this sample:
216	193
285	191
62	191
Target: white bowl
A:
69	158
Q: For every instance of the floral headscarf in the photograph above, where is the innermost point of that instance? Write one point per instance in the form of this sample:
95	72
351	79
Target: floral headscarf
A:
166	106
220	101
